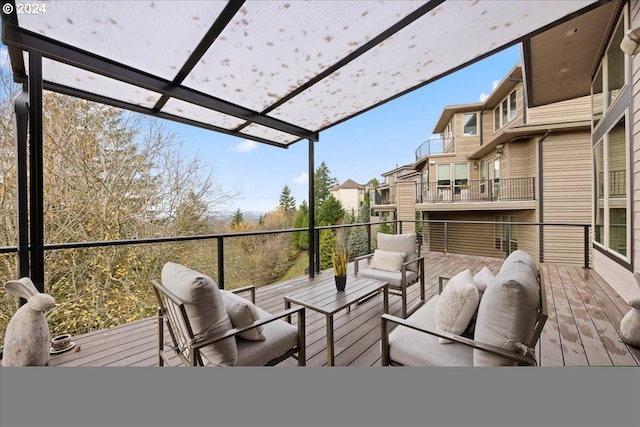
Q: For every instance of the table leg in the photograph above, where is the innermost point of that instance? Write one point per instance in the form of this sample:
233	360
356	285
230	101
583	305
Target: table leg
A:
330	344
385	294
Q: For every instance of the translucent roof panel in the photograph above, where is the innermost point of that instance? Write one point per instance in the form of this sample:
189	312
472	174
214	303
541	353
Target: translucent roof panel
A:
152	36
83	80
419	53
201	114
271	48
275	71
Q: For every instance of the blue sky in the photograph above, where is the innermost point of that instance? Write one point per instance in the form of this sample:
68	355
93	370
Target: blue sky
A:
359	149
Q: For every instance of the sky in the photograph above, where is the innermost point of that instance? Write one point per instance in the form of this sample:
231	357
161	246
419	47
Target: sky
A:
360	149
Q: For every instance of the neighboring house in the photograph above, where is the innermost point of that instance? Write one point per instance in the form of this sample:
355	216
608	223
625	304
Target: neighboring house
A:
576	60
350	194
499	160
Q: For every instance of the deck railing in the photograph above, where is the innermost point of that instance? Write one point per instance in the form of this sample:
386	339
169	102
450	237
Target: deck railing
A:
438	145
466	237
480	190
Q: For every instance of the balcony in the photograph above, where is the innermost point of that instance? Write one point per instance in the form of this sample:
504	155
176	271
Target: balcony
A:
439	145
482	190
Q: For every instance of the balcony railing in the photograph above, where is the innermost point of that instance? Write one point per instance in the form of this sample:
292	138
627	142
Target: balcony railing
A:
218	255
439	145
481	190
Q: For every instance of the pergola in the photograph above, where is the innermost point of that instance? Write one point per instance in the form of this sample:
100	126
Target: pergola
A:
276	72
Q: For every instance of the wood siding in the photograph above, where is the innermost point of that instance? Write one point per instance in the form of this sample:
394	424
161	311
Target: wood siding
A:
407	205
567	194
573	110
478	239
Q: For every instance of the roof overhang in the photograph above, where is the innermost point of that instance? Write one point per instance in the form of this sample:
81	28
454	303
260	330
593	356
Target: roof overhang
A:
560	62
450	110
526	132
271	71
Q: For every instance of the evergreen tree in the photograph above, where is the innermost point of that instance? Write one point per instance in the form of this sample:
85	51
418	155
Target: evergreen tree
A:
328	242
300	239
287	201
323	182
236	220
330	212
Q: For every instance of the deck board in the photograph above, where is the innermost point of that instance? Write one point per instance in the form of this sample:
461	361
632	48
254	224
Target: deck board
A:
582	328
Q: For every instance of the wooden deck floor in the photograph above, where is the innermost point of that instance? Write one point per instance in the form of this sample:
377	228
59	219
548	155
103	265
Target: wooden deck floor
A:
582	329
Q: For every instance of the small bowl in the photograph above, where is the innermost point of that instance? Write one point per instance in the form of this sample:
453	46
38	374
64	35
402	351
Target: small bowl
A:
61	342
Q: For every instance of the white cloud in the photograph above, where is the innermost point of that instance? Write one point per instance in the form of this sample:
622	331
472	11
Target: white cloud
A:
245	146
302	178
483	96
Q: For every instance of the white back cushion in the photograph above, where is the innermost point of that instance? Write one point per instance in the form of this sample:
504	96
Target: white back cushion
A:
405	243
387	261
508	310
457	304
242	313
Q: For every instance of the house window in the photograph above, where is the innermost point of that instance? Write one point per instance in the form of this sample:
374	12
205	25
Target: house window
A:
611	148
505	112
453	174
611	204
470	124
506	232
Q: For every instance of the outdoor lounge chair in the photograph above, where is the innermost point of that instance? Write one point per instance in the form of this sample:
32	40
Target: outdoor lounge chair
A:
511	314
398	262
213	327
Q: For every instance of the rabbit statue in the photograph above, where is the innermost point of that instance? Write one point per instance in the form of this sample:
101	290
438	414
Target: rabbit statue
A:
630	323
27	339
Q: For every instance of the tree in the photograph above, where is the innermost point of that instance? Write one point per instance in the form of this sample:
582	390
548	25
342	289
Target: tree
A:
328	242
330	212
108	175
300	239
287	201
236	220
323	182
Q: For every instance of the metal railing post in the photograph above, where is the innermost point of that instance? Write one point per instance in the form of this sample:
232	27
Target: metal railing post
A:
446	237
316	238
221	262
369	238
508	237
586	246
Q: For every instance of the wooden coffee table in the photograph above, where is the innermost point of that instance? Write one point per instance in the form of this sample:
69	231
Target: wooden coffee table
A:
324	298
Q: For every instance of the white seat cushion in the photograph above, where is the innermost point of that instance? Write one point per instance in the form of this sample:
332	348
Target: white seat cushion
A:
393	278
205	310
413	348
280	336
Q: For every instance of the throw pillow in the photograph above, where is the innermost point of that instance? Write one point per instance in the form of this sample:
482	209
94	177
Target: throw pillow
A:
205	310
457	304
387	260
482	279
242	313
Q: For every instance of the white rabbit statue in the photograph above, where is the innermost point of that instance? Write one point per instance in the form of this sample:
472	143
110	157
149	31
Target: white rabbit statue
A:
630	323
27	339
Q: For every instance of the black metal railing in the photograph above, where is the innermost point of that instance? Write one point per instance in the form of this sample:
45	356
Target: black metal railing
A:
438	145
481	190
